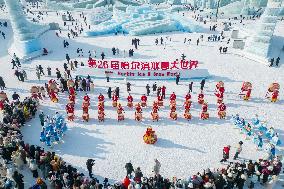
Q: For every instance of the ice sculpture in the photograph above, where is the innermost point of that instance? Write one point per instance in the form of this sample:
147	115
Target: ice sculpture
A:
57	6
99	15
260	43
242	7
144	20
99	3
26	33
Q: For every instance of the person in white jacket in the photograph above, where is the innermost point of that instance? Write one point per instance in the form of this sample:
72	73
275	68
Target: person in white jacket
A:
33	167
157	167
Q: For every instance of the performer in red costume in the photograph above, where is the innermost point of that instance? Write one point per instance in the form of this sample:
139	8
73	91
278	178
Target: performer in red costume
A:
70	111
220	87
273	92
120	111
72	91
222	111
144	100
72	99
101	113
160	100
1	104
220	97
101	99
173	97
130	101
85	107
188	97
154	113
187	106
200	97
247	96
204	113
173	114
53	96
3	98
246	90
274	95
87	99
138	112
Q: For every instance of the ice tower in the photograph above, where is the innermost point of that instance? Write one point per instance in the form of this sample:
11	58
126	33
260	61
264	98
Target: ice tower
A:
26	33
259	44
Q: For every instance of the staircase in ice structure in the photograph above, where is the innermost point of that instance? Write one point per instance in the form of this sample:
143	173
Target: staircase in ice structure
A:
259	44
26	34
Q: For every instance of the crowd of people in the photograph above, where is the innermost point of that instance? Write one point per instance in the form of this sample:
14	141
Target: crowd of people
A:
53	128
4	24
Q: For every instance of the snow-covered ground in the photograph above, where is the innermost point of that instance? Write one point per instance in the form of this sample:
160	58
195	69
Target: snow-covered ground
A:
183	148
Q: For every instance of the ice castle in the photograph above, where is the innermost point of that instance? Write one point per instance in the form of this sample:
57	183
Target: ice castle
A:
260	43
26	33
143	20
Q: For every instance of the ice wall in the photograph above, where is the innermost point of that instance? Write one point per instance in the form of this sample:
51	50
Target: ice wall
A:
99	15
144	20
57	6
260	43
99	3
26	33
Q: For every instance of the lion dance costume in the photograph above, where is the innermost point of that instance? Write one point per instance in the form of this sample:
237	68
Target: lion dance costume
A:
273	92
150	137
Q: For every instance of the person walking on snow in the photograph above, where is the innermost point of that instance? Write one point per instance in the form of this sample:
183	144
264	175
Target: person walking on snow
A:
90	163
148	89
129	169
154	87
226	153
177	78
202	83
48	71
128	85
109	92
14	64
40	70
277	61
271	62
67	58
41	118
238	150
2	84
25	74
190	87
38	75
157	167
103	55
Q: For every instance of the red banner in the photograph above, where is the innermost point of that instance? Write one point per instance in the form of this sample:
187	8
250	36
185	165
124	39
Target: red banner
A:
135	65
